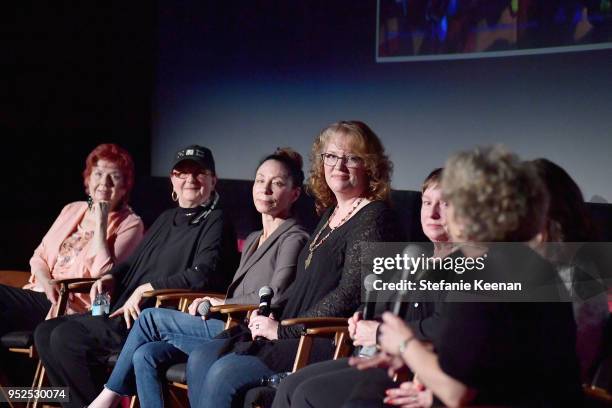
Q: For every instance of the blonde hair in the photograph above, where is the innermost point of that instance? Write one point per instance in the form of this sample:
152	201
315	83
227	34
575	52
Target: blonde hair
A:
367	145
494	195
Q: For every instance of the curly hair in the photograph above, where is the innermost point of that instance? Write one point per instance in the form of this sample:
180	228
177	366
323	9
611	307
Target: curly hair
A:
112	153
494	195
367	145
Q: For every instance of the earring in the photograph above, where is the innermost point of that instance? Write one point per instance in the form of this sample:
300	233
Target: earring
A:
174	196
89	202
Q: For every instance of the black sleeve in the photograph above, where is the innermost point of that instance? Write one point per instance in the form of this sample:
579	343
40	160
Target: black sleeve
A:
119	270
376	225
204	270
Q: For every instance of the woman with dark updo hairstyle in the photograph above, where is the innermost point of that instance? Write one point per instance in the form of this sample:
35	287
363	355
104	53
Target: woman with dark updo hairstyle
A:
162	337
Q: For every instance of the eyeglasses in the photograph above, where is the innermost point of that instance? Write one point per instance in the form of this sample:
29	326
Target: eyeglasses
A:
200	174
349	161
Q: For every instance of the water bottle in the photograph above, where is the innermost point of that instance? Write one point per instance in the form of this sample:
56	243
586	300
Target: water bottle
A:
101	304
274	380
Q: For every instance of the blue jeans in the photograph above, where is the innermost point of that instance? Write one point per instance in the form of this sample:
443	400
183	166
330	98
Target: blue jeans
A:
159	338
214	382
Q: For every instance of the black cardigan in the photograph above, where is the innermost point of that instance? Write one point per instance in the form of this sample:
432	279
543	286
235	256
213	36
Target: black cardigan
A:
330	286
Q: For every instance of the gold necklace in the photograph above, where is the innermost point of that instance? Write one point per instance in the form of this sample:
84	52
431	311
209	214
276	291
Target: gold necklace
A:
314	244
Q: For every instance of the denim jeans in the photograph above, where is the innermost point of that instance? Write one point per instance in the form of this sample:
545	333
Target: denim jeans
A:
159	338
214	381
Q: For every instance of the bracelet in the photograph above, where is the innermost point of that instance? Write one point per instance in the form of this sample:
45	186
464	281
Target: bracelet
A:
404	344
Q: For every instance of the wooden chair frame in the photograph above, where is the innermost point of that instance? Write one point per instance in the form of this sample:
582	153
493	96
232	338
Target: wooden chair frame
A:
67	286
327	327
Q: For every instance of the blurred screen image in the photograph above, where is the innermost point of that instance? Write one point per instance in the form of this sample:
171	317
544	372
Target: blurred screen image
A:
456	29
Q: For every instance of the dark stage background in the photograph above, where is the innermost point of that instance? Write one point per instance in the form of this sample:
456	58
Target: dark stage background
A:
244	77
74	75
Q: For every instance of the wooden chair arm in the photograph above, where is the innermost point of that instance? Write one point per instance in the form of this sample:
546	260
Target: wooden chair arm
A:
16	279
67	286
334	327
327	331
80	287
596	393
158	292
226	309
189	295
69	281
312	322
234	313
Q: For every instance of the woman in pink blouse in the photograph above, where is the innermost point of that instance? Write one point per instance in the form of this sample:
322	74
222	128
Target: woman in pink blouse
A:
85	241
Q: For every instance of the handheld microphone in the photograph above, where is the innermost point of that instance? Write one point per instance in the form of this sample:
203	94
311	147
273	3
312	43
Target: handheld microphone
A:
204	308
411	251
265	297
368	284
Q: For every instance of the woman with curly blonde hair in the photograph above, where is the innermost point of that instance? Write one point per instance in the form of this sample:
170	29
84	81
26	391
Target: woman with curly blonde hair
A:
491	353
350	178
369	156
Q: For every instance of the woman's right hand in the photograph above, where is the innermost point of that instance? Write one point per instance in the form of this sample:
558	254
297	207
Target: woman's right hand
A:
409	395
51	289
100	211
193	307
105	284
352	324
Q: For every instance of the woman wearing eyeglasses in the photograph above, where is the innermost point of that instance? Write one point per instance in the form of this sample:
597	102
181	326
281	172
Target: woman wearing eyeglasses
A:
350	181
162	337
189	247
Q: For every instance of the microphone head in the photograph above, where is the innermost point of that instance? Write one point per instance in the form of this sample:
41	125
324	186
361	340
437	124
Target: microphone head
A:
368	282
266	291
414	251
204	308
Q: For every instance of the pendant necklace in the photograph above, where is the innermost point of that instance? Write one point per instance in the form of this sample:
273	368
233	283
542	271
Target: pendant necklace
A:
314	244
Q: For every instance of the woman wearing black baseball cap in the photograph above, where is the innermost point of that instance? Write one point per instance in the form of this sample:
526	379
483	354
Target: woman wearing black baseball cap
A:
192	246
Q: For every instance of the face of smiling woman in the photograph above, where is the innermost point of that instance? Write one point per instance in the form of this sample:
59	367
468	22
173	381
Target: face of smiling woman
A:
106	183
192	183
347	178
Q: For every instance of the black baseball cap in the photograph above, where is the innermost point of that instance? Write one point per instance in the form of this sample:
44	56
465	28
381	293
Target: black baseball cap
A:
199	154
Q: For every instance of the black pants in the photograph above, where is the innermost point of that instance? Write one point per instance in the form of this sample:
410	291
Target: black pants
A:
333	384
75	349
20	310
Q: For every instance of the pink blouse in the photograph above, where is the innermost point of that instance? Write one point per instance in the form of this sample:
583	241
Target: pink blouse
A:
67	251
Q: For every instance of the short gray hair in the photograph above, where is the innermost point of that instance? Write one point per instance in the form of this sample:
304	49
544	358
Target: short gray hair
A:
495	195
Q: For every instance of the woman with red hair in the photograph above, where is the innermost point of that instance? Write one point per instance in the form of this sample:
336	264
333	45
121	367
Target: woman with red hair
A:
85	241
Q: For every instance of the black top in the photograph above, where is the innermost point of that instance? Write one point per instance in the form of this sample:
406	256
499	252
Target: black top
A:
181	250
329	287
519	354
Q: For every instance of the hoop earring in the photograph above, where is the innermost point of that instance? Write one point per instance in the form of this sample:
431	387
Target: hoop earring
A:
174	196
